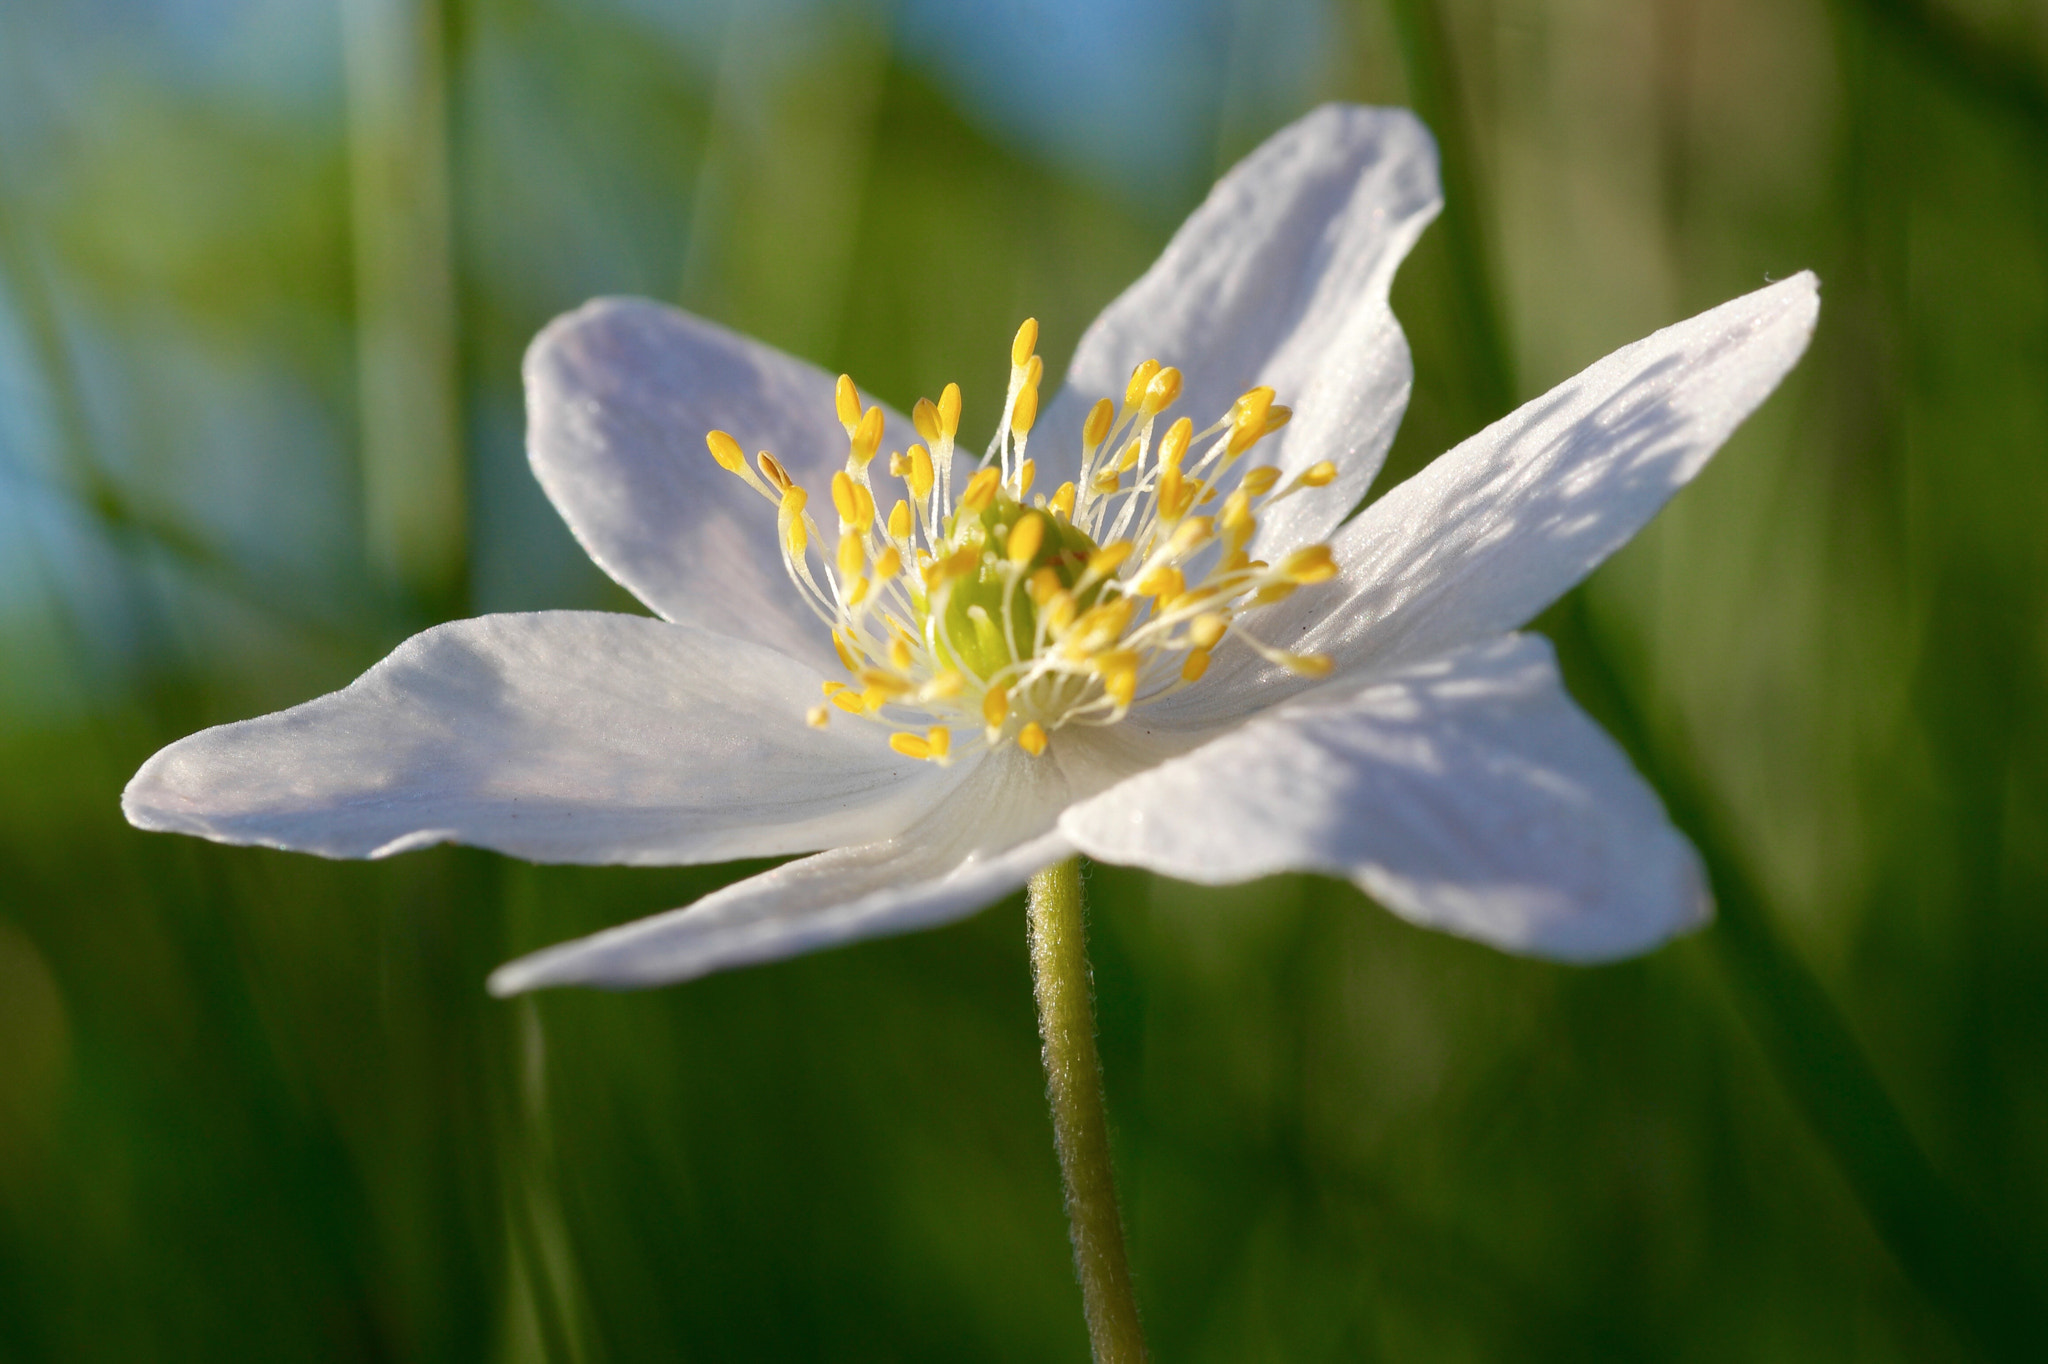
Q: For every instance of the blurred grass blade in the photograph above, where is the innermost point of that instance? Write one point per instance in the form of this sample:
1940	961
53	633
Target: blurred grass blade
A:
1944	1246
413	494
1435	91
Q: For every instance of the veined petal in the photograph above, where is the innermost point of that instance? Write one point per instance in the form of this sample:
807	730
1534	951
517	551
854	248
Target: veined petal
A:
1281	278
1467	794
981	842
1498	528
619	396
565	736
1503	525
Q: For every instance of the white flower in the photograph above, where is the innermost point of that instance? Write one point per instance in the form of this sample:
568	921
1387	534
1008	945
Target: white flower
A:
1004	691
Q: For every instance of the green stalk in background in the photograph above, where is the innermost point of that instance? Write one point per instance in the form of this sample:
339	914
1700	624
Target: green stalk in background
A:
414	508
1073	1081
1940	1242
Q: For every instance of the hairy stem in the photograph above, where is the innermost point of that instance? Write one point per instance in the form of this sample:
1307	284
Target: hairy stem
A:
1073	1082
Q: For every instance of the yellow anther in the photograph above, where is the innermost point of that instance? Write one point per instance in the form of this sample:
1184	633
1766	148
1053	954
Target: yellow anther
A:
1207	491
1105	561
1026	471
1026	342
981	490
857	591
873	699
925	417
1100	626
1063	500
830	687
940	740
1106	482
1025	411
1319	474
1311	564
1192	534
1273	592
995	707
1205	630
943	685
949	412
886	682
1276	417
920	478
846	500
1174	495
1194	665
1117	660
1097	426
850	702
1044	583
1031	738
1134	392
867	438
887	563
1309	665
900	657
911	746
958	564
1119	680
1128	460
1236	517
772	470
727	452
849	657
791	515
846	398
1026	537
1173	446
1058	611
1161	392
1248	419
899	521
853	556
1163	581
1258	482
817	717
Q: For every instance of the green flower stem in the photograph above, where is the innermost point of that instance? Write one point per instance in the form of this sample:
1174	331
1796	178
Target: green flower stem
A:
1073	1082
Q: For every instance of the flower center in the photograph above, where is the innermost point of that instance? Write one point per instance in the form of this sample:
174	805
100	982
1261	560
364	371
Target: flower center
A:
1012	614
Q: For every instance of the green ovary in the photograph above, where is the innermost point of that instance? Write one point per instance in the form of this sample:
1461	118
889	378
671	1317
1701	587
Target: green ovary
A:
972	627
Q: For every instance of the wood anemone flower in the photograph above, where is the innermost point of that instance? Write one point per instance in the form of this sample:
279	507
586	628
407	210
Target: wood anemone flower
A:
1139	627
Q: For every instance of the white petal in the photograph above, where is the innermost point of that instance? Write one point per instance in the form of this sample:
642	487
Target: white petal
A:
619	396
982	841
1467	794
1497	529
1281	278
566	736
1503	525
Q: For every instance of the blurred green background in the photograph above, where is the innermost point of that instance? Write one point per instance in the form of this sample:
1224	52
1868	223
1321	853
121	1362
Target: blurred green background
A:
266	270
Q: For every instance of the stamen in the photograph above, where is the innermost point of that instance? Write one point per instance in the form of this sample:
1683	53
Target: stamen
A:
1025	615
867	438
1097	426
846	398
1161	392
1026	538
1134	392
1026	342
949	412
925	417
